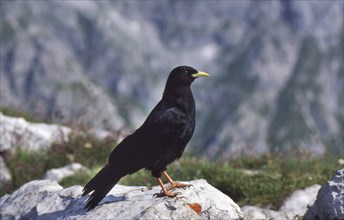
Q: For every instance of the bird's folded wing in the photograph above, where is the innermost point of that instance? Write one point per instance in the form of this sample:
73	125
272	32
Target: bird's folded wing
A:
166	123
160	131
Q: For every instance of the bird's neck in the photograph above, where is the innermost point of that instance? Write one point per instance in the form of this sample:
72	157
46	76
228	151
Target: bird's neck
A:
180	96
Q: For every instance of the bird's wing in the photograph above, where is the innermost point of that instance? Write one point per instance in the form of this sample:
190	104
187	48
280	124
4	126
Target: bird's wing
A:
162	129
165	124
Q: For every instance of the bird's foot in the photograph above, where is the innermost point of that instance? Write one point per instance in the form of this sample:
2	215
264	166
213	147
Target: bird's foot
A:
166	193
178	185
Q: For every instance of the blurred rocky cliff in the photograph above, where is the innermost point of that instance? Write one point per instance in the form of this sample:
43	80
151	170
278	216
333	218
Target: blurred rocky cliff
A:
277	72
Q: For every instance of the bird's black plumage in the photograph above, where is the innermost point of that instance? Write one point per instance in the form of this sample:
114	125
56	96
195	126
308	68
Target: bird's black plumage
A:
159	141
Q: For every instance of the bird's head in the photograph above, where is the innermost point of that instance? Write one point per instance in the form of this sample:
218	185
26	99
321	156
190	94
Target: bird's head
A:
184	76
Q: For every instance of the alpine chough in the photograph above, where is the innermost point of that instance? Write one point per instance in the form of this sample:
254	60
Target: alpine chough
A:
159	141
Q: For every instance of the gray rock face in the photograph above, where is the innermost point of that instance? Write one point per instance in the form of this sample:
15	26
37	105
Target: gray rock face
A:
17	205
330	200
295	206
278	63
45	199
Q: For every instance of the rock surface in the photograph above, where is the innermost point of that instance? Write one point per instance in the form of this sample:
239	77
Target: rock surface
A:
17	132
295	206
59	173
5	175
45	199
297	203
329	203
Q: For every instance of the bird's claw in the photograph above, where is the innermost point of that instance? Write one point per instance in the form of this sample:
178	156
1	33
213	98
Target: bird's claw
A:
168	194
178	185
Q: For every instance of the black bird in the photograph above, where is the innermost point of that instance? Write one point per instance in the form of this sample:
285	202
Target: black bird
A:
159	141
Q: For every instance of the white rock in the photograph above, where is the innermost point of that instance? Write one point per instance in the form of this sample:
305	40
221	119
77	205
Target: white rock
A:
47	200
59	173
17	132
329	203
295	206
298	202
5	175
22	201
253	212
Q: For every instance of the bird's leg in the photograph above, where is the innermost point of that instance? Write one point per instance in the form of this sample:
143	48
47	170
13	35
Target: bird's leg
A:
173	183
164	190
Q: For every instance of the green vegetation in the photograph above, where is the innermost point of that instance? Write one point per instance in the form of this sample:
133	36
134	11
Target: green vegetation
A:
81	148
263	180
14	112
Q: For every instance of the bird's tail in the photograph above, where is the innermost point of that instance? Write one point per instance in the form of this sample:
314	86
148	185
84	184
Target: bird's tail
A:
101	184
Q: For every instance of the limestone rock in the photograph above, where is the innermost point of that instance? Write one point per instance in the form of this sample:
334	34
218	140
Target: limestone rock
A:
5	175
329	203
254	212
17	132
17	205
45	199
294	207
297	203
59	173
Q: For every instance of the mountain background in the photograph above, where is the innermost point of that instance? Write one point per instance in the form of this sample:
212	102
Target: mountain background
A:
277	68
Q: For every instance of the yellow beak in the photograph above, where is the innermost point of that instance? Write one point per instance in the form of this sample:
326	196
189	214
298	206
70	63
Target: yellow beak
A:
200	74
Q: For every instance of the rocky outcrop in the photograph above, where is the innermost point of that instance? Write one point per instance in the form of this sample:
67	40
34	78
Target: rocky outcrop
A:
329	203
19	133
45	199
5	175
58	174
297	203
295	206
